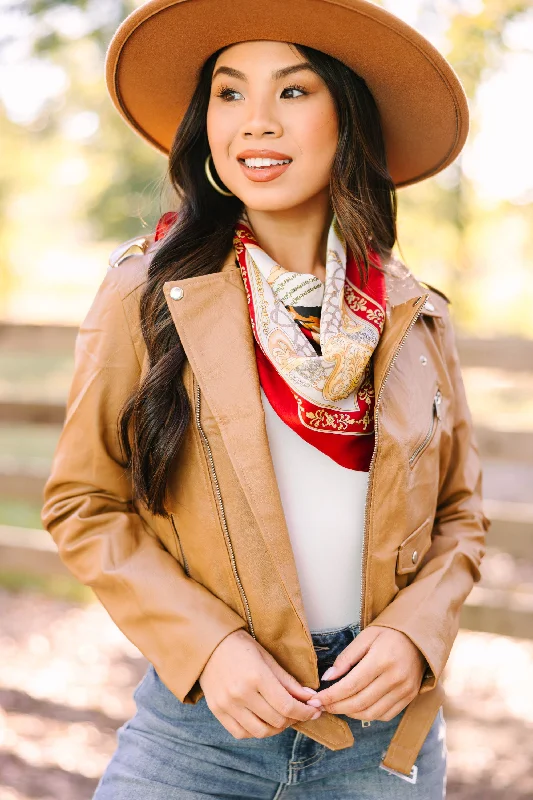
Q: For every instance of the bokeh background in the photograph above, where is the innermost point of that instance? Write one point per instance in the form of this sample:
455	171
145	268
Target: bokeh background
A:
74	183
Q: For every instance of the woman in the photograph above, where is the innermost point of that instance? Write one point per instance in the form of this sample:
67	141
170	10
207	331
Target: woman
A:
267	473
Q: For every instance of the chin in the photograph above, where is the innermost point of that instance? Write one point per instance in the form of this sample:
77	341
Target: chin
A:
271	201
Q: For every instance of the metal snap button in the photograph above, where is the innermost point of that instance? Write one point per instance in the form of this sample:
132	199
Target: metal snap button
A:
414	557
176	293
423	360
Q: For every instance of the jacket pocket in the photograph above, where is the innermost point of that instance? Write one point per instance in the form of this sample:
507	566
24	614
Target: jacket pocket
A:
435	420
413	549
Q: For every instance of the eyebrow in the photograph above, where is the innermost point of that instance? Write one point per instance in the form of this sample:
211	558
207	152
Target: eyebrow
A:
276	75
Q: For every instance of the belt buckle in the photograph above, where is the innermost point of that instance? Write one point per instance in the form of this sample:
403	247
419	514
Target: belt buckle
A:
411	778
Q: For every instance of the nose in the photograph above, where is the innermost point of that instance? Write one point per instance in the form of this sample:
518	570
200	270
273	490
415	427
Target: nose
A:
261	121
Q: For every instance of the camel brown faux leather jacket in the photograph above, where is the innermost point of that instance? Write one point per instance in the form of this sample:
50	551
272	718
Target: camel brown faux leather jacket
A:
223	559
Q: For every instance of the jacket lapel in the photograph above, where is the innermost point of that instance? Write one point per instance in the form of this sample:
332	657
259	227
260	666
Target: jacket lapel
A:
211	316
405	298
213	322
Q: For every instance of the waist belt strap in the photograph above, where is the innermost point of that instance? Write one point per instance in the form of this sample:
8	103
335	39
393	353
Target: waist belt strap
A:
413	729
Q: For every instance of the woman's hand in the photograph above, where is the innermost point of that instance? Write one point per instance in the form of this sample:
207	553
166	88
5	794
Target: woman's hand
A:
387	677
249	693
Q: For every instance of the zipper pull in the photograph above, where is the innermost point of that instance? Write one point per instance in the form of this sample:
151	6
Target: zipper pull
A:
437	403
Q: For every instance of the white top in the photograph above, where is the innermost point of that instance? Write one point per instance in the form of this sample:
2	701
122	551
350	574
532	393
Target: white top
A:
324	504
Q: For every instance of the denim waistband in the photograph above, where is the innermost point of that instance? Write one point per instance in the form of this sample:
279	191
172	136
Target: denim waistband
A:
329	644
346	629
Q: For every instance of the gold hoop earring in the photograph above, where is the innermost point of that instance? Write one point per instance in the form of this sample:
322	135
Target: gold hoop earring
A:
212	180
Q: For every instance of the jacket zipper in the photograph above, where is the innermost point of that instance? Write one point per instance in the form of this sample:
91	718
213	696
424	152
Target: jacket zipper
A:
178	539
435	418
372	460
218	494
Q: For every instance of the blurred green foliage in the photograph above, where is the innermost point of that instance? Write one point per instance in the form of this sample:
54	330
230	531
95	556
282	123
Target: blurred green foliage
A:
20	513
125	173
73	174
61	587
478	40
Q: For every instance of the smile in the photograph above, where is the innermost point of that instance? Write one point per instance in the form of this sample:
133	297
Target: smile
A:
261	170
259	163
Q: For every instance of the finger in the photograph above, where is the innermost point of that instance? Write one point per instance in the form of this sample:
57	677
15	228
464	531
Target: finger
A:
277	695
351	654
232	726
287	680
256	727
355	681
385	709
395	710
359	702
267	713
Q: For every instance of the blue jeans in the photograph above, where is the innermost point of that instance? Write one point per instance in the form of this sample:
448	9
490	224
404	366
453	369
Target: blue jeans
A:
172	750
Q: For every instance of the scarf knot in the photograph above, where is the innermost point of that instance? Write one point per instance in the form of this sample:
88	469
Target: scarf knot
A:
314	343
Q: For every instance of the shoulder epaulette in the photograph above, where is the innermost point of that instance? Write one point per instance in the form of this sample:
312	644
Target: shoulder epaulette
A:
139	244
437	291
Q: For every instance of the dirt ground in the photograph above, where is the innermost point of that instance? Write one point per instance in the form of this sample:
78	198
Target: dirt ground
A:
67	674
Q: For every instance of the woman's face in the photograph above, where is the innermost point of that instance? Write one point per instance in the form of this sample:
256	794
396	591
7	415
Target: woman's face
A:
265	103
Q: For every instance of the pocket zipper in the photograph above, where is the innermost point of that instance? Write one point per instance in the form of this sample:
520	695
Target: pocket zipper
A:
222	515
362	613
435	419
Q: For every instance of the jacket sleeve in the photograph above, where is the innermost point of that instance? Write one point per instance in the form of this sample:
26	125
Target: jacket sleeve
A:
428	609
173	620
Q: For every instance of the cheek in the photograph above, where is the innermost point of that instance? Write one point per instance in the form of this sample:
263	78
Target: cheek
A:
317	136
219	131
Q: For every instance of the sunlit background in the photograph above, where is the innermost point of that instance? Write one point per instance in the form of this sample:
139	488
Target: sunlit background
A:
74	183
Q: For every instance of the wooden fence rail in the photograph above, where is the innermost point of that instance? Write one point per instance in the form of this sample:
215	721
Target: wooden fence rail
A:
23	412
486	609
511	354
514	446
37	338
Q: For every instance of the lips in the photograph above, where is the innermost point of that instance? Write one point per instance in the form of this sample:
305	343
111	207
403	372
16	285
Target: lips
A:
264	174
263	154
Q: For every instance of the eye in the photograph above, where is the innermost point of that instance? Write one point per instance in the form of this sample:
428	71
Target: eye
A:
294	88
225	93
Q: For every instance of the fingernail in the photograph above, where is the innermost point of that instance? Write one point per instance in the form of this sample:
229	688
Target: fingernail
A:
329	673
314	702
307	689
317	715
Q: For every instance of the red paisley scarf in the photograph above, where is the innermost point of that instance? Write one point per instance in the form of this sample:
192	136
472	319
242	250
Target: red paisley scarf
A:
314	342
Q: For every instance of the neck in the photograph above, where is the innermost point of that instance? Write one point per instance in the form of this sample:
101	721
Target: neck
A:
296	238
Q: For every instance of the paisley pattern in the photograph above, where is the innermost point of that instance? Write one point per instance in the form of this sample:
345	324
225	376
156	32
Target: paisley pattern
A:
314	343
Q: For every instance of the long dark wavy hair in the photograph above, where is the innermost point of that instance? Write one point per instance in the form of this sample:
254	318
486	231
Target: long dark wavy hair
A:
362	195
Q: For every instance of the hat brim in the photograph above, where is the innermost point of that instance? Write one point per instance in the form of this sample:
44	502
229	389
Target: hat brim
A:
154	60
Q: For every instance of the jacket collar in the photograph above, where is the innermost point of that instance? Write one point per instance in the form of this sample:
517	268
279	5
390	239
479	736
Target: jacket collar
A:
404	295
220	349
401	284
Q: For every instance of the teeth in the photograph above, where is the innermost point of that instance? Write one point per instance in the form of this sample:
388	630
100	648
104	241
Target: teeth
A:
264	162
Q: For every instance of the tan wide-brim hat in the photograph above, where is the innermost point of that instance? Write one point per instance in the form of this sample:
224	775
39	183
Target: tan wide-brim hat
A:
154	60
